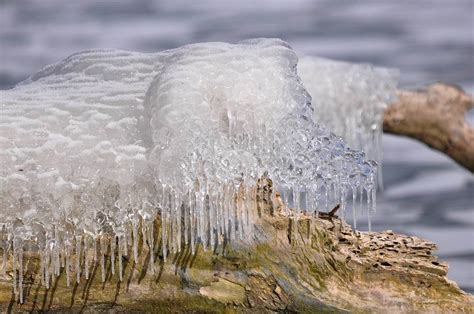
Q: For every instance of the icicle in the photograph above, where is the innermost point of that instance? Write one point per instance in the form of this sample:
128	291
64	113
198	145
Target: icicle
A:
296	200
94	248
103	251
343	200
203	222
15	290
164	226
57	263
67	262
135	241
119	256
186	218
78	259
374	198
379	157
57	257
178	225
211	221
172	230
46	269
244	211
244	214
112	254
316	199
354	198
226	211
125	241
86	257
216	218
232	213
368	210
192	215
326	197
172	222
151	247
198	214
286	198
307	202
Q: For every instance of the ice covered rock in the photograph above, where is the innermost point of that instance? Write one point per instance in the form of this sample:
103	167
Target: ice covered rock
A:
349	99
105	141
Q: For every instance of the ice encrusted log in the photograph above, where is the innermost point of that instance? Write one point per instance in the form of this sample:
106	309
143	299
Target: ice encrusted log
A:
105	141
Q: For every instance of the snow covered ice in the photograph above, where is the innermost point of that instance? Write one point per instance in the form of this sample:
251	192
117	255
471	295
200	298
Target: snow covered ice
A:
349	99
96	147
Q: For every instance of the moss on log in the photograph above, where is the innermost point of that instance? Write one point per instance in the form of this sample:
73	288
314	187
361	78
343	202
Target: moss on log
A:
295	265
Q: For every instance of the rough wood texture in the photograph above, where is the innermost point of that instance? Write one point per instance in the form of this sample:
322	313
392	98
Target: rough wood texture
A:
307	264
435	116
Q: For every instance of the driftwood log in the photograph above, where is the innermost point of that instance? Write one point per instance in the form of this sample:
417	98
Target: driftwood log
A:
435	116
292	264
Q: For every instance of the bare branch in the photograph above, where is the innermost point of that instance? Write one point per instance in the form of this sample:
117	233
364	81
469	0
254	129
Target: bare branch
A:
436	117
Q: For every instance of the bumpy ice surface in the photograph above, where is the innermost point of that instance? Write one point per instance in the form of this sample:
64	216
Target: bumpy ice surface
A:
105	141
349	99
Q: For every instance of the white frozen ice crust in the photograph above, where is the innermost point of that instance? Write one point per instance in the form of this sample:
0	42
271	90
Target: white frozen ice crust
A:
104	140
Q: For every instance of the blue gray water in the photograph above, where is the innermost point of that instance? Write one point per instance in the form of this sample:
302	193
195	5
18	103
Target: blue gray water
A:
426	194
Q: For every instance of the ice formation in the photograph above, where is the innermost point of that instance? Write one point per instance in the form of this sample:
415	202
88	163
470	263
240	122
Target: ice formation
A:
349	99
96	147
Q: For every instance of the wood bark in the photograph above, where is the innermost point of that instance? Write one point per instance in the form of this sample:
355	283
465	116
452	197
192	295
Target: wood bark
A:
435	116
292	264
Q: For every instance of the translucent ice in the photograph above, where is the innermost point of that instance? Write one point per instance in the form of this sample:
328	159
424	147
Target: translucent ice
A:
94	148
349	99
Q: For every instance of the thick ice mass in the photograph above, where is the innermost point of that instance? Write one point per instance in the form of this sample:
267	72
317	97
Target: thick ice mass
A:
94	148
349	99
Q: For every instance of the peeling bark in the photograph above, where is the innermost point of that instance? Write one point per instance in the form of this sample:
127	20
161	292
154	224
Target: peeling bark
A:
435	116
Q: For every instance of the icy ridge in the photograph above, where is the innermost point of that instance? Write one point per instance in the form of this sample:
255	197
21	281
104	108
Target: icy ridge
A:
94	148
349	99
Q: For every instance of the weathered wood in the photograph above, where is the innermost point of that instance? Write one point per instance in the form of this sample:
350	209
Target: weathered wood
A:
435	116
293	263
302	264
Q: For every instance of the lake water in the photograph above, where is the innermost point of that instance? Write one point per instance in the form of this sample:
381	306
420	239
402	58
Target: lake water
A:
426	194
